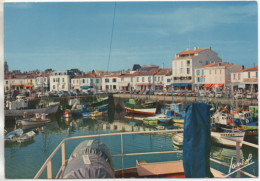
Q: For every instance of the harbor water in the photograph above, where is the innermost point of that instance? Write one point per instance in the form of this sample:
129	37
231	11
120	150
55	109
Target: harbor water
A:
23	160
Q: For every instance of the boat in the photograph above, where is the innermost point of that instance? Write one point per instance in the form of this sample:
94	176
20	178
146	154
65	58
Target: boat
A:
92	114
19	113
148	108
254	111
177	139
242	118
13	135
99	101
36	120
178	120
174	111
228	138
160	127
26	137
67	113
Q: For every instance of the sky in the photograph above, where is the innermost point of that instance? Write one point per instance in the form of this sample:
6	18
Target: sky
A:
114	36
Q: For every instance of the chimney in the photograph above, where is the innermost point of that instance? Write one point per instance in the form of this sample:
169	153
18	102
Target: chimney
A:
243	67
162	65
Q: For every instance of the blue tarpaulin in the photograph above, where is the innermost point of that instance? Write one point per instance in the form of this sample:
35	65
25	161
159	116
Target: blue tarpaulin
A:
180	85
197	141
85	87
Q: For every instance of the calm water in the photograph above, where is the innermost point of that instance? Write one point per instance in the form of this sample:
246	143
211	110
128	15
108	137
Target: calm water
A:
24	160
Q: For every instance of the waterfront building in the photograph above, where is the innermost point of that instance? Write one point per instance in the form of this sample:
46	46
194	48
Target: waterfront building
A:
185	62
91	80
19	82
60	80
126	82
75	82
110	82
215	75
143	80
42	82
162	79
246	79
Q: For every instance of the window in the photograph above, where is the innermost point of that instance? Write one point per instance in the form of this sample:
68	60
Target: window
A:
6	82
248	74
77	81
53	79
149	79
122	78
114	86
53	86
219	71
63	86
162	78
114	80
198	72
137	79
106	80
188	63
238	76
234	76
73	81
107	87
198	79
142	79
97	81
168	80
83	80
154	78
91	81
188	70
158	79
256	74
202	72
131	79
63	80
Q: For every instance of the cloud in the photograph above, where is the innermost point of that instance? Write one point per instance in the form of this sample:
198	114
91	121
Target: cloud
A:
188	19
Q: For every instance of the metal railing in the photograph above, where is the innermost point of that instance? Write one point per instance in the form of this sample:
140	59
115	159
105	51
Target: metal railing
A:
48	162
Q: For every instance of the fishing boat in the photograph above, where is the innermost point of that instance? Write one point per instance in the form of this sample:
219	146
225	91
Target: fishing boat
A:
98	102
26	137
242	118
36	120
148	108
177	139
175	111
228	138
13	135
19	113
92	114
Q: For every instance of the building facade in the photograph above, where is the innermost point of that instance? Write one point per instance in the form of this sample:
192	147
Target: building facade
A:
60	81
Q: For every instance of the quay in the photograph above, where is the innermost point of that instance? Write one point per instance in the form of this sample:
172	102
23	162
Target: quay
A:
238	102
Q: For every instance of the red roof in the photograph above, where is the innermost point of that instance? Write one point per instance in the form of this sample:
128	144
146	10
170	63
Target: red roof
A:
113	75
188	52
247	70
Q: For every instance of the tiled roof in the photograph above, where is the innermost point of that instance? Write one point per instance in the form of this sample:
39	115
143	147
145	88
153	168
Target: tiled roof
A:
217	64
209	65
247	70
188	52
113	75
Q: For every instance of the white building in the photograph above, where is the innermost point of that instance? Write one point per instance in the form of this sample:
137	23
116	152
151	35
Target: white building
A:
185	62
215	75
75	82
42	82
126	82
110	82
162	79
19	82
245	79
60	81
91	80
143	80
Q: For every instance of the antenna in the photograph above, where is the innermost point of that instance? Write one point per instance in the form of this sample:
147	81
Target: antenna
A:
111	39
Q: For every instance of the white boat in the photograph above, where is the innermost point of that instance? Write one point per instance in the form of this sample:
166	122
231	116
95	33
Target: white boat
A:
13	135
26	137
38	119
224	138
17	113
177	139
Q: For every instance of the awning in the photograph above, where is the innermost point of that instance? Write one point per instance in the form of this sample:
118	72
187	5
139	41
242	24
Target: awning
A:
180	85
221	85
207	85
28	85
16	84
241	85
85	87
143	84
123	84
212	86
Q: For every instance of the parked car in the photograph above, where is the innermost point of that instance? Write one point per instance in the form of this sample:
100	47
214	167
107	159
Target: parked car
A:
212	94
219	94
239	95
20	96
203	94
249	96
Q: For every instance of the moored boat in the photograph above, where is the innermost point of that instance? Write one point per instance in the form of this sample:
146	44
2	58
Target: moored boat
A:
26	137
13	135
148	108
36	120
228	138
177	139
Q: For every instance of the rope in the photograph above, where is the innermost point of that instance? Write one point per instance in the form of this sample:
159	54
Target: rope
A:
111	39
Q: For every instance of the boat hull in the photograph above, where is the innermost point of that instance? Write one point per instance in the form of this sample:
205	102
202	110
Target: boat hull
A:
224	138
147	111
17	113
34	122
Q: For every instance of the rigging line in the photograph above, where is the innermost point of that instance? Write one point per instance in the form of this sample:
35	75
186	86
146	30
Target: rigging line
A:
111	39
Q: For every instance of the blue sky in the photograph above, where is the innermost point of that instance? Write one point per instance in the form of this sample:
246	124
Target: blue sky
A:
77	35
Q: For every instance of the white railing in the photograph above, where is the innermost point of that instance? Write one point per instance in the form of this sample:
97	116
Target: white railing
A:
48	162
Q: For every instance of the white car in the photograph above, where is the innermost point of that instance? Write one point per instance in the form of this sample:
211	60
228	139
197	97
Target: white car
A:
239	95
219	94
249	96
20	96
